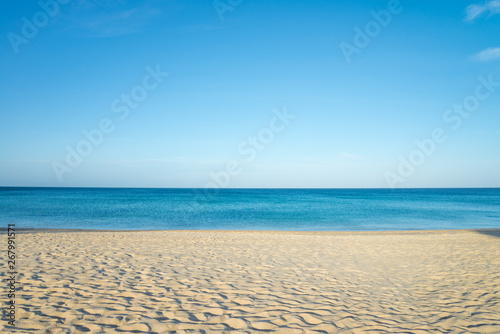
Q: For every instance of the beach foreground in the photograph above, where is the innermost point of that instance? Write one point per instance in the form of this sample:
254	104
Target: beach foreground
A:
241	282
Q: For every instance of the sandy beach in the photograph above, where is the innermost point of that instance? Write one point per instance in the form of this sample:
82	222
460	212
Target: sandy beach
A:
253	282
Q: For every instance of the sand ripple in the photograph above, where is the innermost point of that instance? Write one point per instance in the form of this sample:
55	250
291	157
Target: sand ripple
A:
243	282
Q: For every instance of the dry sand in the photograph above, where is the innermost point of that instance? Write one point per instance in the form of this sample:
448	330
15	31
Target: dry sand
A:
242	282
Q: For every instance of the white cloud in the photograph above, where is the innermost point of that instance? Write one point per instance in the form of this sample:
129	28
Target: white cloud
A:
488	54
473	11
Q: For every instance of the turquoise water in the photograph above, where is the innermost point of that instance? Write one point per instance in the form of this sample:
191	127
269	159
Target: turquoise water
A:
251	209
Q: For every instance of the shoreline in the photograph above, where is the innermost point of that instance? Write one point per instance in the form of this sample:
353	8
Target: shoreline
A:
440	231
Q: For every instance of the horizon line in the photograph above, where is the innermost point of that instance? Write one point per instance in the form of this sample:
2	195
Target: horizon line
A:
249	188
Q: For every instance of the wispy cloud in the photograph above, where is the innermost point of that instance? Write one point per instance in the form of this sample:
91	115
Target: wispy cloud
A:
488	54
197	28
28	161
108	18
350	156
174	160
473	11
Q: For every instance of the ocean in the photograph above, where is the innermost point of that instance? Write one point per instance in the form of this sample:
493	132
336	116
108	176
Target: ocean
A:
250	209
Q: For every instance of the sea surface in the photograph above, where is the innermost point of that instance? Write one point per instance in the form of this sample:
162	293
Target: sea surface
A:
250	209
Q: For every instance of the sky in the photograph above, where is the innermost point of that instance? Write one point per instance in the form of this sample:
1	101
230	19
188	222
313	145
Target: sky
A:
243	94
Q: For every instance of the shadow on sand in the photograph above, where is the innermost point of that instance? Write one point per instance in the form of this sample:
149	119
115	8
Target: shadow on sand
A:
494	232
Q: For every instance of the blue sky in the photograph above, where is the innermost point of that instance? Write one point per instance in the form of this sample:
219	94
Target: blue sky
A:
203	78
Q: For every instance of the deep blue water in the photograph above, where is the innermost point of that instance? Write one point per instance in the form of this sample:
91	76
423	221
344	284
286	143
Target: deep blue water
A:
251	209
